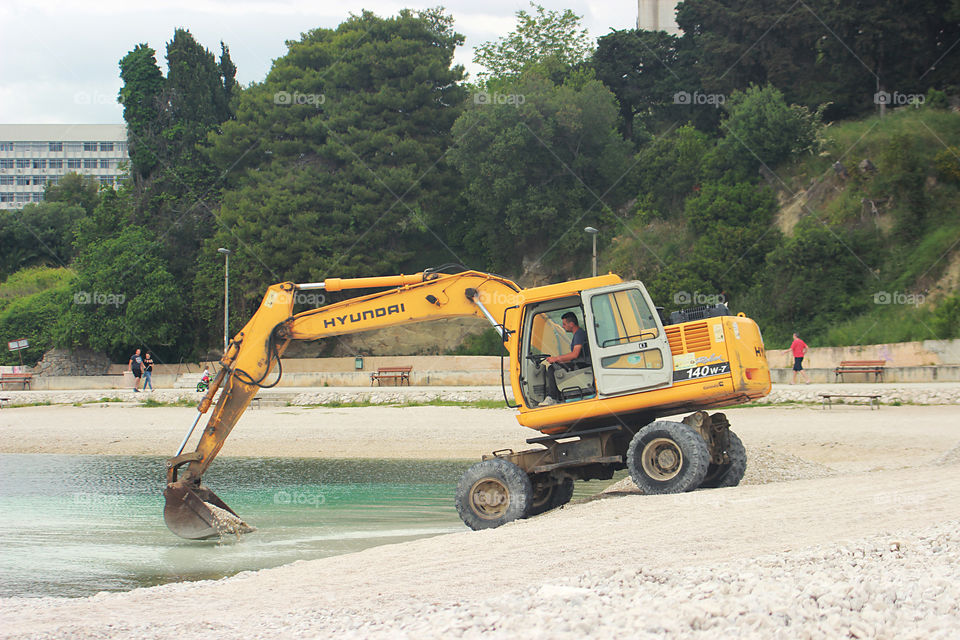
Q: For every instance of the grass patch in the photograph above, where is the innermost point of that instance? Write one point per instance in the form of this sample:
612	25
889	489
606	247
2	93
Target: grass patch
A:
179	402
45	403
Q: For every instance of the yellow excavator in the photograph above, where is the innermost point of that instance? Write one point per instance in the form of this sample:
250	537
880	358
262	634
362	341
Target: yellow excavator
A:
603	413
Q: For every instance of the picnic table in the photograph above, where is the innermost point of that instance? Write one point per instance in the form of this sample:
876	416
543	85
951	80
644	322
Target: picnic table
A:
398	374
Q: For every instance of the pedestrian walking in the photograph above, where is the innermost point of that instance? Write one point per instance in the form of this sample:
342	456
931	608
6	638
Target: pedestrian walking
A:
147	372
799	349
136	368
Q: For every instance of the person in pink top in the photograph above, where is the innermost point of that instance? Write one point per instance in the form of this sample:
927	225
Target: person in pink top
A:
799	349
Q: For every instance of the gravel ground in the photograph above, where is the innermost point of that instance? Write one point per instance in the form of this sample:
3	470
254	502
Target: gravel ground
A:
887	586
845	527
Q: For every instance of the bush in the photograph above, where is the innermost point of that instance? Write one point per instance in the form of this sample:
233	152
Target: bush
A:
487	343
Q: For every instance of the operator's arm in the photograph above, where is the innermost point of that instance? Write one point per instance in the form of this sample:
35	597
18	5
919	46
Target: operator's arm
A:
567	357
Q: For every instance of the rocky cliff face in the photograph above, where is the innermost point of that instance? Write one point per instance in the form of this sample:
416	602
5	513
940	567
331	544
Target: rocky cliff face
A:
63	362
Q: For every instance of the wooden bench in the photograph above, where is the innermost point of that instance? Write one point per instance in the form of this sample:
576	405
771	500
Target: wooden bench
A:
23	379
827	399
398	374
860	366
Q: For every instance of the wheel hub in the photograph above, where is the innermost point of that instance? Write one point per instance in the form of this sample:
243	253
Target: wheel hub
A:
662	459
489	498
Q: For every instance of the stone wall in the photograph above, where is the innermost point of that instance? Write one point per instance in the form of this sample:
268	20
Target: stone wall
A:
901	354
64	362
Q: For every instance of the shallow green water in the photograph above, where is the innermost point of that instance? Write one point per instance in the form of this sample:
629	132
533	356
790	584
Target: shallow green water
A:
76	525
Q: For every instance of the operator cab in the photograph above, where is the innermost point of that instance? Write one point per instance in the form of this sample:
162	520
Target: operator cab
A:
628	349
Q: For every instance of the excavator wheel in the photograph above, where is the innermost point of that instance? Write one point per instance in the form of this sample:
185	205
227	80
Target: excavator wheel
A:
550	493
667	457
492	493
728	475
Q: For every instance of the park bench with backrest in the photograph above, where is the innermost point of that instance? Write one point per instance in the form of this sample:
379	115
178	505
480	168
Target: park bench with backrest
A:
22	379
860	366
398	374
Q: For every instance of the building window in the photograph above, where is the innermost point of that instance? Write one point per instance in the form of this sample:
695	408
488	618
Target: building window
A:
6	146
6	197
90	163
6	180
106	146
89	146
39	163
106	181
55	146
6	163
23	163
74	147
105	164
22	197
55	164
23	181
74	163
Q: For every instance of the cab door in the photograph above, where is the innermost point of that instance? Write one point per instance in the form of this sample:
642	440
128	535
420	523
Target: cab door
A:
628	346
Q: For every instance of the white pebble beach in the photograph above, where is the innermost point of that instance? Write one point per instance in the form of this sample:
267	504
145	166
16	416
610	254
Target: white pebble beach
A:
846	525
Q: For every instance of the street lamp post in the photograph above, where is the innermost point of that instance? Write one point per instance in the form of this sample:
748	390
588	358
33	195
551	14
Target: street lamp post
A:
593	232
226	297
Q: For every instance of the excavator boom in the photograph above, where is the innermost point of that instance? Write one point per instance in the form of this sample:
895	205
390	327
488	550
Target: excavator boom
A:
193	510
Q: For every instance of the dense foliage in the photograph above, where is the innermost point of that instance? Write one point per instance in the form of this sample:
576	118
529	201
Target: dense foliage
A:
713	163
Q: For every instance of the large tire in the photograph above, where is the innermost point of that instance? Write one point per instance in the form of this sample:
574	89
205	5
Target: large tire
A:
492	493
548	494
728	475
667	457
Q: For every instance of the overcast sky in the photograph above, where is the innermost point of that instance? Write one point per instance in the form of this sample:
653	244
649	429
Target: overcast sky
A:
58	59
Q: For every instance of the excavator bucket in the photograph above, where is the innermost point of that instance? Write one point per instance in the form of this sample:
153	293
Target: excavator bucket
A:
195	512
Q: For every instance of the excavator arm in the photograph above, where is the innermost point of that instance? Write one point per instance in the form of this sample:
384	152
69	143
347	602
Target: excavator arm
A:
194	511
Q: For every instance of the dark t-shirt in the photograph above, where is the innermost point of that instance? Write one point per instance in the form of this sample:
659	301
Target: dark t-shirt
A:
148	365
136	362
580	337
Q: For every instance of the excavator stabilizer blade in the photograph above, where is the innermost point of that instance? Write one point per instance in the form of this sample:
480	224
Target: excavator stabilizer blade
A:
196	513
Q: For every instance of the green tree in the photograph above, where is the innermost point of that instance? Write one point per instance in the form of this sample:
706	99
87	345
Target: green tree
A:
335	163
762	129
671	169
650	72
74	189
811	281
38	234
123	294
140	97
548	40
537	168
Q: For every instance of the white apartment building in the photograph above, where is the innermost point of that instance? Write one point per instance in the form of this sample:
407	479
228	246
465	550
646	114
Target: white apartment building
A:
33	155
